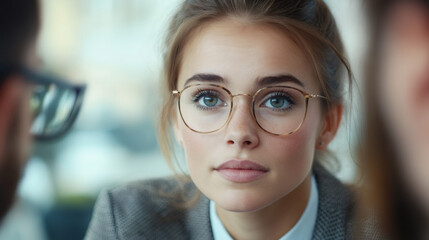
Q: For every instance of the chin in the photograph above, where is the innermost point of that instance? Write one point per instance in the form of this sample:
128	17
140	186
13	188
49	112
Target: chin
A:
240	207
242	202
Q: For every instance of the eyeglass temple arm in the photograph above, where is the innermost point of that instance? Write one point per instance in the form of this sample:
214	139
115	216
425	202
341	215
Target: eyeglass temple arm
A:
316	95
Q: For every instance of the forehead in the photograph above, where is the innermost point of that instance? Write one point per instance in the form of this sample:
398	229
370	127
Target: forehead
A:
241	52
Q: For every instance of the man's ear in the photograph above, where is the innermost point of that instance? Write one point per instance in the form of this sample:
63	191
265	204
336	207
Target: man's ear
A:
332	121
9	99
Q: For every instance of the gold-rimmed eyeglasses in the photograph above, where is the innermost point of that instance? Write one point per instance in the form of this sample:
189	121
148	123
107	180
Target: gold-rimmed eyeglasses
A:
279	110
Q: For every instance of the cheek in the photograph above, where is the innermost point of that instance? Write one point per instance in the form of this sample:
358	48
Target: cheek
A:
198	147
405	103
404	92
294	154
290	147
404	69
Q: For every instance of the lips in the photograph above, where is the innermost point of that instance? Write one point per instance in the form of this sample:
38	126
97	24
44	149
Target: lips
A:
241	171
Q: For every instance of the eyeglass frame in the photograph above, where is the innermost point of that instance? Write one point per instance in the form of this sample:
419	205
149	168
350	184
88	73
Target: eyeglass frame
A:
32	76
306	95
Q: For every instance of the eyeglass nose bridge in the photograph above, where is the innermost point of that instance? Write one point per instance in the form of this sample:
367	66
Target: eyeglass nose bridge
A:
251	110
242	94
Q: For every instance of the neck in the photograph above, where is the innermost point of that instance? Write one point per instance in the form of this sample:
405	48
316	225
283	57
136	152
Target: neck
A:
271	222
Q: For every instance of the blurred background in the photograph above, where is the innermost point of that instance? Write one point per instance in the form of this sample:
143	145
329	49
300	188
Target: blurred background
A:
114	46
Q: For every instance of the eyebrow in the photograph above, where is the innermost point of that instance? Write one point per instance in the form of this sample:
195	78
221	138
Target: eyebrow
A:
205	77
261	82
284	78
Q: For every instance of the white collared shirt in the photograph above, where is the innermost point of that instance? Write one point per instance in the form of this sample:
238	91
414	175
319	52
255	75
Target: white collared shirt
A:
302	230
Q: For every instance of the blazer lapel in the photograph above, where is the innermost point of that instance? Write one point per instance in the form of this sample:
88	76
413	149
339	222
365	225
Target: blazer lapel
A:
334	210
197	220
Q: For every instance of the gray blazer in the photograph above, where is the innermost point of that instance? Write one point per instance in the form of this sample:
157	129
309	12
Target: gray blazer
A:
135	212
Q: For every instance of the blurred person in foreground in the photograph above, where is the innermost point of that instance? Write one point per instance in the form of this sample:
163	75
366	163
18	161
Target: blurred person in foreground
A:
394	155
32	104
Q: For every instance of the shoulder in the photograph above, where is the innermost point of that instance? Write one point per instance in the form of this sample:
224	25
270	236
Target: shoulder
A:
332	192
336	207
336	215
154	194
151	208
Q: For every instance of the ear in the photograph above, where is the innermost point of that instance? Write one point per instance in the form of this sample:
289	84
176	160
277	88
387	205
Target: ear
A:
330	126
9	96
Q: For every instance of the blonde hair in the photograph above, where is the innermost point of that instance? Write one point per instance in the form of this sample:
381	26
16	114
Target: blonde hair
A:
309	23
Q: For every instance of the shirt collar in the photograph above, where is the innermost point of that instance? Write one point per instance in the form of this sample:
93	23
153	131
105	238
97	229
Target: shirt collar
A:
303	229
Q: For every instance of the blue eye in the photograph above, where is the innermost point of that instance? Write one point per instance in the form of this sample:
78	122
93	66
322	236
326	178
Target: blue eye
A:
279	102
208	99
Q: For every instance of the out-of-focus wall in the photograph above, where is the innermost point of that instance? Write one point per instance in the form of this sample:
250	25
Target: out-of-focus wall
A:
351	21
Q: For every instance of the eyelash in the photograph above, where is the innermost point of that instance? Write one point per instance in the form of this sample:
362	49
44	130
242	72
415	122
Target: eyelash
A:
202	92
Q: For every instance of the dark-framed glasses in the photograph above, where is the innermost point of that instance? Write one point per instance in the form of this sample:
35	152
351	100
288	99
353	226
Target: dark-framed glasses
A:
54	103
279	110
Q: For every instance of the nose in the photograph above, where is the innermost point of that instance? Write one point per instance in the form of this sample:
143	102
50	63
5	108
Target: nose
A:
241	129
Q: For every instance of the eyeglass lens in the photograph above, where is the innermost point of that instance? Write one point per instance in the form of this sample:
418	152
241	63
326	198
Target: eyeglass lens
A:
52	107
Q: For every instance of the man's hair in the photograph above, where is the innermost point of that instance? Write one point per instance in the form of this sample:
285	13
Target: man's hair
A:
19	25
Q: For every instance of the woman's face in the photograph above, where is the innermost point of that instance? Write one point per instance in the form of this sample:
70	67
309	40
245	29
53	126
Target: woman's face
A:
239	55
404	89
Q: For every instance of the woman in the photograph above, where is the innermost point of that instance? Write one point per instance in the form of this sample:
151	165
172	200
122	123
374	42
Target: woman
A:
395	147
253	92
